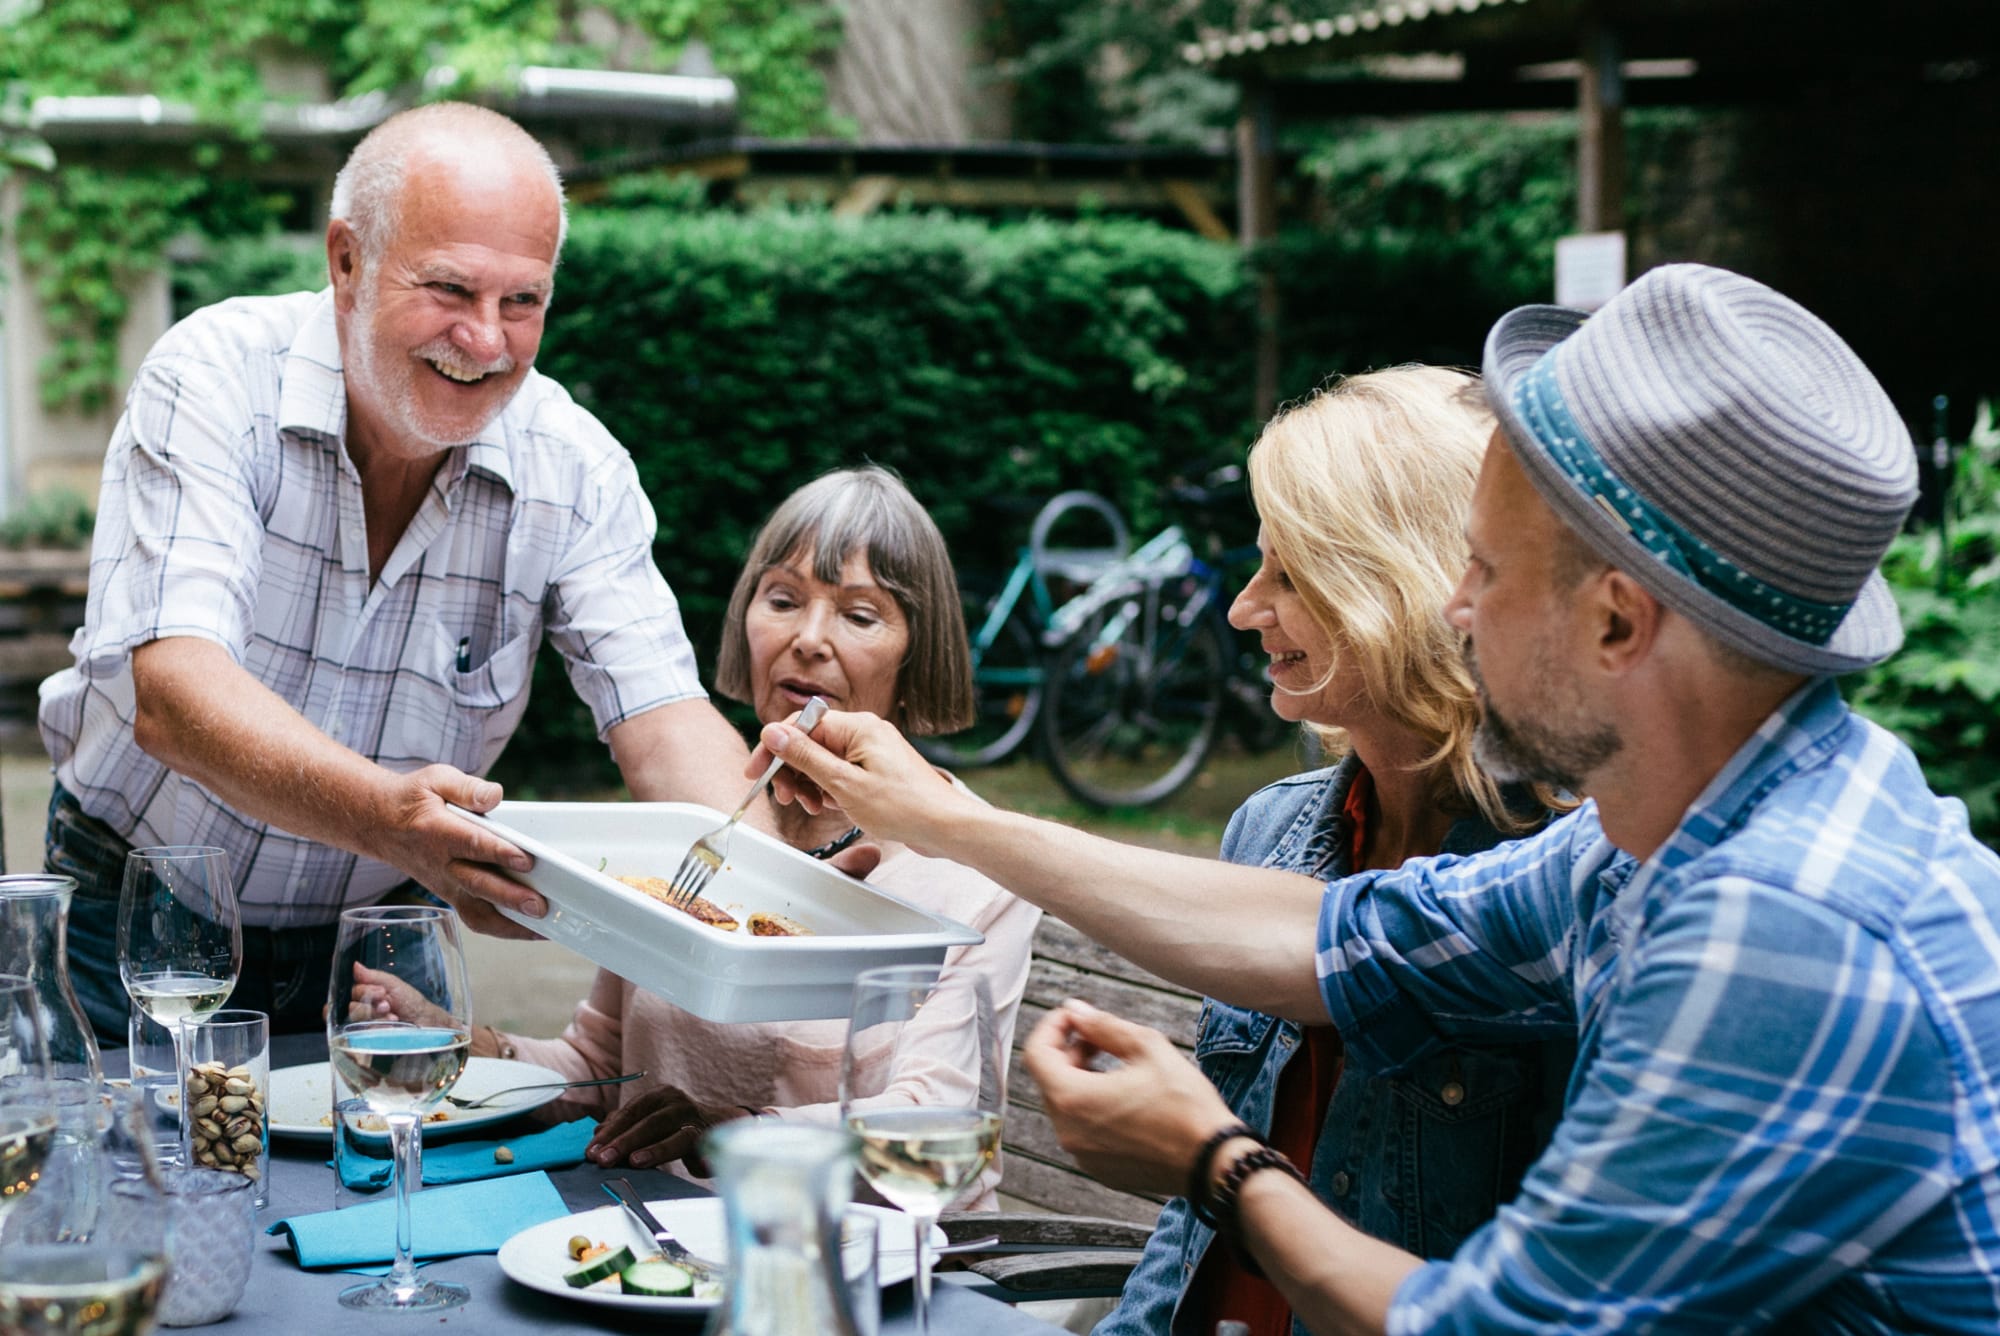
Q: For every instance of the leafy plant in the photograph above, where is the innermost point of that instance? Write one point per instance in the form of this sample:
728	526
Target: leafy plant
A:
55	518
1941	693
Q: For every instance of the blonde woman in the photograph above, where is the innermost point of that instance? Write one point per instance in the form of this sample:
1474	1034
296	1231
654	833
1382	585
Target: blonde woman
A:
1362	494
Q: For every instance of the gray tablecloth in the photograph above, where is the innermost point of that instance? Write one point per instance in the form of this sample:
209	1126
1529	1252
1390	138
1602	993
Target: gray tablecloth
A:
282	1298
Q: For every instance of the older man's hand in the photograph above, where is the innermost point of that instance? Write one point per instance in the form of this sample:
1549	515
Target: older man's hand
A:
1135	1126
457	860
864	766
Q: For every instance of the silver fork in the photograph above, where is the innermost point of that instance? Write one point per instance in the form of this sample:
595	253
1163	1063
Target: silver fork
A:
705	859
481	1101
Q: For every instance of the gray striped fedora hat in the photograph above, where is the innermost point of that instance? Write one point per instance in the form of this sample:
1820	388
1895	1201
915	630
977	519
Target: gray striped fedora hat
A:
1720	444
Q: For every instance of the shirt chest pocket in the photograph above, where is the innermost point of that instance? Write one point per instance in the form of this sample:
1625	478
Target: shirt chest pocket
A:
447	708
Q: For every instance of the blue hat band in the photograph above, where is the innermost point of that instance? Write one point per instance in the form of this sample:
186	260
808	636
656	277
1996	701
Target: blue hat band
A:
1539	402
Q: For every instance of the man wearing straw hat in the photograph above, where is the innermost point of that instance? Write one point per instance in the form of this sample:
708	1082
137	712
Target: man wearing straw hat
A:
1778	949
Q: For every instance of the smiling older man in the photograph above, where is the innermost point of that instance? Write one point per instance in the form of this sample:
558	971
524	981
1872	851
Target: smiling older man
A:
334	529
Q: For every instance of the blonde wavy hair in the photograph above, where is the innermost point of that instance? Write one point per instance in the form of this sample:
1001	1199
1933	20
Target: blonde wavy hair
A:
1363	491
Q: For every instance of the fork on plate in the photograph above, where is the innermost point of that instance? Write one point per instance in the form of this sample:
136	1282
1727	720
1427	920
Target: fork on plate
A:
705	859
481	1101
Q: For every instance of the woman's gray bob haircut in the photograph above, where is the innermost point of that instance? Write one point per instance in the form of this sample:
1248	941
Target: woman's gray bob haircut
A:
867	510
369	188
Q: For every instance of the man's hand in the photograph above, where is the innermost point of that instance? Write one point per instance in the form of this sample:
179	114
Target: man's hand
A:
657	1128
455	859
1136	1126
865	767
208	719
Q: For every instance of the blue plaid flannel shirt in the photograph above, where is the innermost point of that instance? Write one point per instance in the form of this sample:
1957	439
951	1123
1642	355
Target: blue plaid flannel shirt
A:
1784	1106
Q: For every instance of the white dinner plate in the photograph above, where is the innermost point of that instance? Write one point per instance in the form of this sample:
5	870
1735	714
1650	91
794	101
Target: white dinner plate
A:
302	1099
538	1257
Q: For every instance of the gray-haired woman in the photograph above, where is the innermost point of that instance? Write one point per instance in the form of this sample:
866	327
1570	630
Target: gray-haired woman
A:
849	594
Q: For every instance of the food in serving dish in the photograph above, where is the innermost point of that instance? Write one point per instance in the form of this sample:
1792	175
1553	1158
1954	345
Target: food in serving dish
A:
777	925
699	908
703	910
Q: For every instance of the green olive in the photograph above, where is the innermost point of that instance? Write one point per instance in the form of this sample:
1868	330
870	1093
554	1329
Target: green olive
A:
577	1244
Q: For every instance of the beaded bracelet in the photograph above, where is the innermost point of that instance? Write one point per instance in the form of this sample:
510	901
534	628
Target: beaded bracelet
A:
1226	1207
1197	1185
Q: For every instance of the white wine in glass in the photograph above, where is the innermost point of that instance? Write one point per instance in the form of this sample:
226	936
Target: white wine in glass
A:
398	1029
27	1094
920	1086
180	940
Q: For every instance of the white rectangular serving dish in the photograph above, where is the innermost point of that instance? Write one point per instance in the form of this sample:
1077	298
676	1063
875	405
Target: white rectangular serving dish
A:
723	976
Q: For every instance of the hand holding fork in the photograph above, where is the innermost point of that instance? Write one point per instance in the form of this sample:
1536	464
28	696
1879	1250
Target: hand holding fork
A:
705	859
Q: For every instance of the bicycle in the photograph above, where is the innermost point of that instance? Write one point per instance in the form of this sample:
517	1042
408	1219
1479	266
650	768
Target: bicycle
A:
1006	630
1144	664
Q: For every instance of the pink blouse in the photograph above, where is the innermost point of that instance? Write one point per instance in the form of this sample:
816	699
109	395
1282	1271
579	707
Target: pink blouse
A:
790	1068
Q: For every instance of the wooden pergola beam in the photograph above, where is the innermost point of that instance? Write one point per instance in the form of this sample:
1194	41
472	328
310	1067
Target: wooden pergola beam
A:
1600	131
1257	222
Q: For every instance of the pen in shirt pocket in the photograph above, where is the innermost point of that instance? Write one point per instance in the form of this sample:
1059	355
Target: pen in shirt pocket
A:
465	654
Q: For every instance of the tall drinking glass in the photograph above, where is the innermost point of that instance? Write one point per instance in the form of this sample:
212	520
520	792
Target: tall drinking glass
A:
27	1095
180	940
920	1086
398	1030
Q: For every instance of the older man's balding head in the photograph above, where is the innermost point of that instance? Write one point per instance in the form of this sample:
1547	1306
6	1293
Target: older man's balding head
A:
368	192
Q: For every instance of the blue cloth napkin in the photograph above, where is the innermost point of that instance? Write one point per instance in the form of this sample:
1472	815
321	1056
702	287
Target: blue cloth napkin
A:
444	1222
557	1147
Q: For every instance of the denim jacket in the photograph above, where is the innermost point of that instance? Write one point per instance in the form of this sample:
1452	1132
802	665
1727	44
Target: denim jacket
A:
1419	1156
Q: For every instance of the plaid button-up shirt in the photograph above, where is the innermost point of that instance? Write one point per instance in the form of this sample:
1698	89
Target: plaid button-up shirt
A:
232	512
1784	1107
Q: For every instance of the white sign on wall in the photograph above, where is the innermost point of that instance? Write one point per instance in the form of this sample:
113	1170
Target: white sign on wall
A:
1590	269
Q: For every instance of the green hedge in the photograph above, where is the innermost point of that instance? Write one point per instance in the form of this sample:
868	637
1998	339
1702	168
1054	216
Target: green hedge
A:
737	356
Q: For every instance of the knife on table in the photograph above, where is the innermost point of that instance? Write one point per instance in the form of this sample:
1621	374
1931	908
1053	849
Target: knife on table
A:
649	1224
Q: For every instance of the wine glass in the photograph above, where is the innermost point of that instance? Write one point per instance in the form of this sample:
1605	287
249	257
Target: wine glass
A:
180	941
920	1086
27	1094
99	1264
398	1030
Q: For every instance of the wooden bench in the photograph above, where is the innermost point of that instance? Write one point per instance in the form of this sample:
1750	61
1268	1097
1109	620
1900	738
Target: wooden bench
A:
1063	1234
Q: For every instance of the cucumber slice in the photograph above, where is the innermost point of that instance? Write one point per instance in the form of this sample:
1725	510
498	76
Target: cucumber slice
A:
661	1279
599	1268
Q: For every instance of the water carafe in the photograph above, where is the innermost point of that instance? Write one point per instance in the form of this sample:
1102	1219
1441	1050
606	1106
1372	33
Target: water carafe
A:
784	1186
34	928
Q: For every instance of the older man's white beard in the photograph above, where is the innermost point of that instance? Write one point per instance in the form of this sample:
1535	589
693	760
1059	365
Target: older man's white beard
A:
395	397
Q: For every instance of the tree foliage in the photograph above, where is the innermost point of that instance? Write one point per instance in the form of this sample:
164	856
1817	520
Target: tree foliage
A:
86	232
1941	692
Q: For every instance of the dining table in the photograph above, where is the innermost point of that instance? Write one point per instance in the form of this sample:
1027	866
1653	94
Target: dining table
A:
283	1297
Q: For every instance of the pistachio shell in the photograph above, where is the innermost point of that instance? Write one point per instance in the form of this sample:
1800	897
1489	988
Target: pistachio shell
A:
247	1144
234	1103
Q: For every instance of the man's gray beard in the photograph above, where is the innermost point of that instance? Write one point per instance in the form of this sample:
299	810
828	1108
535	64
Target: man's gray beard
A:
398	403
1537	751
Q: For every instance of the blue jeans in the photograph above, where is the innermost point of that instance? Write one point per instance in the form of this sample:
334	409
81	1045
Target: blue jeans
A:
284	969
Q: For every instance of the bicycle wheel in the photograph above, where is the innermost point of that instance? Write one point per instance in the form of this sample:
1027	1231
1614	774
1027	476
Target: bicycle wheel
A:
1132	704
1006	700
